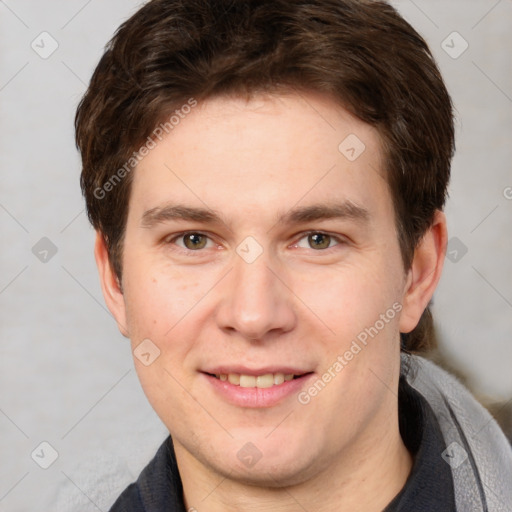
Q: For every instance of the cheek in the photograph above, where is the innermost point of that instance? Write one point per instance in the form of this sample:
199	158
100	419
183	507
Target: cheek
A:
361	308
350	299
157	300
161	309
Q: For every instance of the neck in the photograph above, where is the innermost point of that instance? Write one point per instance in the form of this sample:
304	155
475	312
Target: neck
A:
364	477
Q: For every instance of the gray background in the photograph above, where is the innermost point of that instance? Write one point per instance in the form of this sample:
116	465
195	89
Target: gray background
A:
66	374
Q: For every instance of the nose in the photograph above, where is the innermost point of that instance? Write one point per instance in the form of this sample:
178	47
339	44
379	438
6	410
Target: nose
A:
255	303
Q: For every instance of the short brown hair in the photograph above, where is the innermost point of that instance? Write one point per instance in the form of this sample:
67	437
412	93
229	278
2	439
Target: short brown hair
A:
361	53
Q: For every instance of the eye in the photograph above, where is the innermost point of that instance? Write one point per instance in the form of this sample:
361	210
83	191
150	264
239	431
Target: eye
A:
192	241
318	241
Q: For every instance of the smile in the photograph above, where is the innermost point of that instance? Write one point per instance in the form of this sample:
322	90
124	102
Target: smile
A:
266	380
264	388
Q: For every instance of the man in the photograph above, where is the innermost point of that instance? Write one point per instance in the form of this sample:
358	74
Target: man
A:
267	182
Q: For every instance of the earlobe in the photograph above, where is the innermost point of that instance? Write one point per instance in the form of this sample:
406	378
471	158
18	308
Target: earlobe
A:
424	273
110	285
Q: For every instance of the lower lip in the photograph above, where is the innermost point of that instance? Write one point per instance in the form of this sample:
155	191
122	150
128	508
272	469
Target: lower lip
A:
257	397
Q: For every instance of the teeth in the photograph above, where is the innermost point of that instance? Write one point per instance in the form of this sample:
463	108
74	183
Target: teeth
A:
250	381
265	381
247	381
234	378
278	379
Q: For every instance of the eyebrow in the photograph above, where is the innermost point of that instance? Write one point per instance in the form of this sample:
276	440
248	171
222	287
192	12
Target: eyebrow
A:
158	215
345	210
315	212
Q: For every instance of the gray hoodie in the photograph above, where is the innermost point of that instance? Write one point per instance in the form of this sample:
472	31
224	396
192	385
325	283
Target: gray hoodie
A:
476	449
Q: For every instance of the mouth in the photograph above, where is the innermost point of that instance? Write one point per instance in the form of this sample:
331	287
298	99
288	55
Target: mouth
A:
262	381
263	388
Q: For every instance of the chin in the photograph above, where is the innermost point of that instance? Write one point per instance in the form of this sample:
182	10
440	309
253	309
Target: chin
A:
281	462
276	475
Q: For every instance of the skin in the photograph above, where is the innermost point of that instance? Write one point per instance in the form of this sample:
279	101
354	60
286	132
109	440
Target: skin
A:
252	161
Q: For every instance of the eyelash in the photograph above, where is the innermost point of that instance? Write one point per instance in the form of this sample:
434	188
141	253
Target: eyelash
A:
170	241
339	240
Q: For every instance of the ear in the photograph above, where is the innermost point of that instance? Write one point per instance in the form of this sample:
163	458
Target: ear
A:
424	274
110	285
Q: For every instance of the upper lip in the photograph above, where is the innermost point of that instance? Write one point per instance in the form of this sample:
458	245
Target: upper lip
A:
243	370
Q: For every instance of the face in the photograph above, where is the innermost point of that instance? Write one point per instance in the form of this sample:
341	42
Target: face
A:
261	261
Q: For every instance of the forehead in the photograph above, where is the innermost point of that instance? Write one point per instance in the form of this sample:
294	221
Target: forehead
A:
271	151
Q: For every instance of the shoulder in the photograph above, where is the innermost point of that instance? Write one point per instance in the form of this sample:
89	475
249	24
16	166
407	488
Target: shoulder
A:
482	462
129	501
158	487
